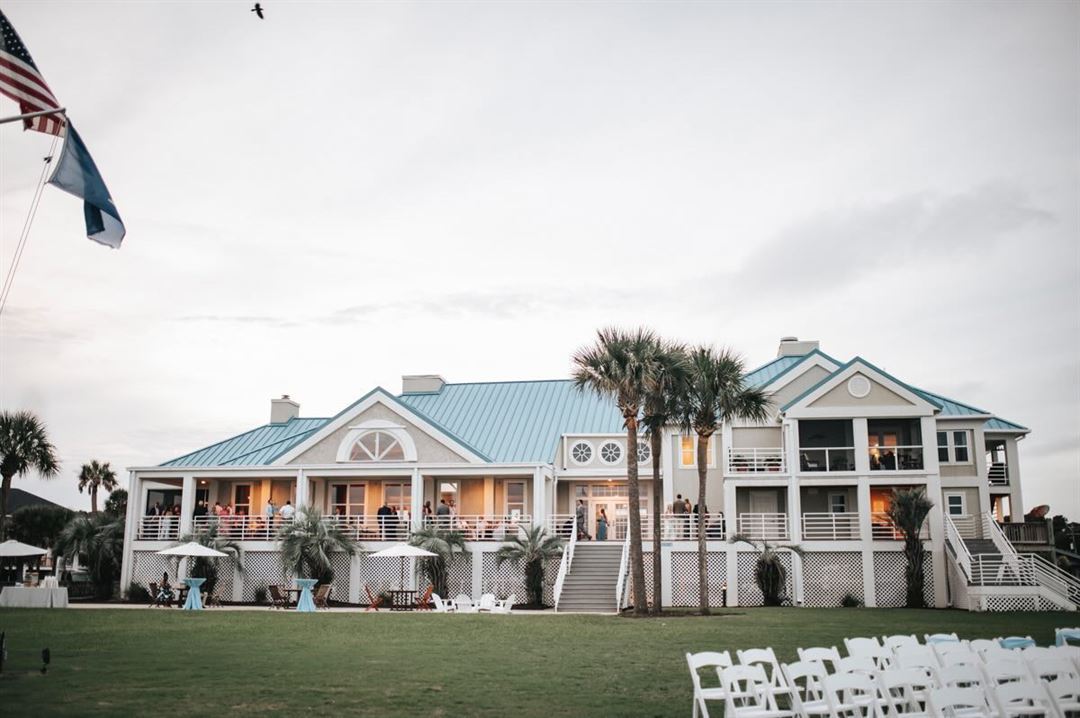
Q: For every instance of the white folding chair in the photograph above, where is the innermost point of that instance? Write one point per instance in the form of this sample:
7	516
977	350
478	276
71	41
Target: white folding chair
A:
863	665
805	679
1005	670
1025	698
961	675
766	658
827	657
1062	636
932	638
852	694
1052	668
707	659
917	657
869	648
952	654
748	695
1013	642
955	702
904	691
1032	653
1064	694
899	641
981	645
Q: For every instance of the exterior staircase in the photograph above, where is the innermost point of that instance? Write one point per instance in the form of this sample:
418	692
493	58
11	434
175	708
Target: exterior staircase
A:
976	546
593	578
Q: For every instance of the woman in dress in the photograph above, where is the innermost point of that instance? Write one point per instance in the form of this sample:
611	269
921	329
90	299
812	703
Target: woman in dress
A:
667	531
601	526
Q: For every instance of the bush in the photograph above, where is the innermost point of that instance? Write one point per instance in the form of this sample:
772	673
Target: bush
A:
850	601
138	593
39	525
260	594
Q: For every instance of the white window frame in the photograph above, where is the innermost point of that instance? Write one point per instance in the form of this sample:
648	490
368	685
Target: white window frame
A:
840	495
251	494
963	503
357	432
622	452
330	503
950	446
712	451
648	450
524	497
570	452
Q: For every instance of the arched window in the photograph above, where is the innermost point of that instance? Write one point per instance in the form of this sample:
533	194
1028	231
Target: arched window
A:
377	446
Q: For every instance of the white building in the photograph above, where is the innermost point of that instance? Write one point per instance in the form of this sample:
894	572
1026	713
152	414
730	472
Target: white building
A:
819	473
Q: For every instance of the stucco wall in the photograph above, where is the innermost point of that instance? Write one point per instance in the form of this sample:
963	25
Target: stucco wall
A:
879	396
756	437
796	387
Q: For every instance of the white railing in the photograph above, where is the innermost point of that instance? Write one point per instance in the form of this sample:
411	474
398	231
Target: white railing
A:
831	458
684	527
967	525
956	542
992	531
756	461
997	473
772	527
561	525
831	527
1056	579
1031	532
620	587
882	528
896	458
994	569
564	567
159	528
482	527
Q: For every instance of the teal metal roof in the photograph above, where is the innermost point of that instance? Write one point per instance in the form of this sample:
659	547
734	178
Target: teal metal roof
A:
997	424
778	367
516	421
257	447
951	407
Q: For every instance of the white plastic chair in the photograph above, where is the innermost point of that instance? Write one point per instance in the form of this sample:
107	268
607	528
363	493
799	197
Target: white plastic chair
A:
932	638
952	654
852	694
904	691
463	604
827	657
766	658
857	664
917	657
506	605
957	702
441	606
805	679
749	695
869	648
893	643
961	675
1013	642
1051	668
1065	695
1005	670
487	602
982	645
707	659
1025	698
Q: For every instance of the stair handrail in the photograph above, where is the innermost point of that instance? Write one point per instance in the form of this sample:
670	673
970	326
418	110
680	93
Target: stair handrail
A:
564	565
992	530
960	550
621	586
1047	572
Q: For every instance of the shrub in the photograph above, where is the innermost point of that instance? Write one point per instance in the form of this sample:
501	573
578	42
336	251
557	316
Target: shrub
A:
260	594
138	593
850	601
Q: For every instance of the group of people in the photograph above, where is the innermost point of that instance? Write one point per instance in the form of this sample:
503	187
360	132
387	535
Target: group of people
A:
680	517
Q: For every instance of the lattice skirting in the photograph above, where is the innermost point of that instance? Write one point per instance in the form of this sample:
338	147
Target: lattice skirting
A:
504	580
1014	603
829	577
261	569
380	574
749	593
890	584
459	575
684	578
223	589
339	585
648	558
147	566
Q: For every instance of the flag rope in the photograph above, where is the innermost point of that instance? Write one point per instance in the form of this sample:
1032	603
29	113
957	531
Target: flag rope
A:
28	224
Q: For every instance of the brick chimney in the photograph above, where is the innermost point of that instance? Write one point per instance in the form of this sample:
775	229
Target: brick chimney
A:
283	409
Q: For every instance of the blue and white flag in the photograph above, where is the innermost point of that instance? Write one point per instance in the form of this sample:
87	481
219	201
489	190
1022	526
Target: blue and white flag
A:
77	174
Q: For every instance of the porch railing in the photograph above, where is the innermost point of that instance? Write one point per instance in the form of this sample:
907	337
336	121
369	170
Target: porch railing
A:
772	527
882	528
564	568
482	527
967	525
159	528
620	587
1033	532
896	458
756	461
684	527
833	458
831	527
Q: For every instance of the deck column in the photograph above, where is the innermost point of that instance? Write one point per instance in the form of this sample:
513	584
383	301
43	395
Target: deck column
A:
416	511
301	489
187	505
538	508
866	538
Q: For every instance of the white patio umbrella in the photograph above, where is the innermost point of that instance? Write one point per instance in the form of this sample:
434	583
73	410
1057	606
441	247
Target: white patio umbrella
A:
403	551
18	548
192	548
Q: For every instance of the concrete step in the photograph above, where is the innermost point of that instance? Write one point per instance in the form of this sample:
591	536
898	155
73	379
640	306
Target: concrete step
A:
978	546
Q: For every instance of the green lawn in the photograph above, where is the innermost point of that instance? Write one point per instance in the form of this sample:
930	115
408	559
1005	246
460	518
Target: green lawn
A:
170	662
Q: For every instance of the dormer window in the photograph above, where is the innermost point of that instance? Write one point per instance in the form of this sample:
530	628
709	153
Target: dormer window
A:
377	446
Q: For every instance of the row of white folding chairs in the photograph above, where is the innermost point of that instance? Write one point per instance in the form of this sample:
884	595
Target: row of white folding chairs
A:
902	651
1031	666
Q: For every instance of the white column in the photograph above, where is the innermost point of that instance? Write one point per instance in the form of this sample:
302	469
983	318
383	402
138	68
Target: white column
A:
1016	496
416	511
354	578
861	436
538	507
866	539
134	511
187	504
797	579
730	510
794	507
665	571
667	465
732	575
725	447
301	488
477	575
936	521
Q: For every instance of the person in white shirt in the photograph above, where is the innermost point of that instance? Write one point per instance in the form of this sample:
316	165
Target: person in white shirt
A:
287	511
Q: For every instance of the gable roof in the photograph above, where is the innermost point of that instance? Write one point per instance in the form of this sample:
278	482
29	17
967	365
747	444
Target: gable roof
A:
859	360
256	447
517	421
771	371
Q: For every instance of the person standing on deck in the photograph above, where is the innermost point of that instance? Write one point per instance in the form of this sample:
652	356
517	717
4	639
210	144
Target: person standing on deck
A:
601	526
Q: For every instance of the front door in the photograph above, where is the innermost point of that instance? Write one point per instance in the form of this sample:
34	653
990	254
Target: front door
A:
617	513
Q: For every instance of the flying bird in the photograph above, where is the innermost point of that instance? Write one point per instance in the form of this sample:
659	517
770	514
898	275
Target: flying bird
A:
258	11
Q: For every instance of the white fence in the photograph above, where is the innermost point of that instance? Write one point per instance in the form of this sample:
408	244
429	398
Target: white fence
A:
756	461
831	526
772	527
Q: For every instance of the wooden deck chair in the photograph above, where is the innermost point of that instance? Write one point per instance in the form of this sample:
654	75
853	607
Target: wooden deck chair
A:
322	596
373	601
424	602
278	599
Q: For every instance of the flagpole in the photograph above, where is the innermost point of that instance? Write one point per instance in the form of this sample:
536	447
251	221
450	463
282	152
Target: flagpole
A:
30	115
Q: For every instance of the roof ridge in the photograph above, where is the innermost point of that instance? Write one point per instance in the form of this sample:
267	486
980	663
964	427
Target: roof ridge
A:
504	381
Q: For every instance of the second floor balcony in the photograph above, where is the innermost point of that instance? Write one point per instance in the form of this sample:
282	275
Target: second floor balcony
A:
757	460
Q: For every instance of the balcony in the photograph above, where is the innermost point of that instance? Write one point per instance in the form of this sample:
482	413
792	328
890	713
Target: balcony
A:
882	528
756	461
159	528
831	527
997	473
1032	532
832	458
771	527
681	527
896	458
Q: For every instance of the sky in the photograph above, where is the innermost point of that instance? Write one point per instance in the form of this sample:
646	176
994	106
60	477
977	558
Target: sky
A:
343	193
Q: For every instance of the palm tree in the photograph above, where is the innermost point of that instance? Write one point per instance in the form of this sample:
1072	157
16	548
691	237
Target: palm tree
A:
96	476
666	384
908	512
533	547
99	539
769	572
619	366
307	541
715	391
24	446
206	566
443	544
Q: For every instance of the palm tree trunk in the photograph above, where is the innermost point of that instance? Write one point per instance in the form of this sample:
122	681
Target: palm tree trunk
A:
5	488
657	501
703	556
633	491
93	498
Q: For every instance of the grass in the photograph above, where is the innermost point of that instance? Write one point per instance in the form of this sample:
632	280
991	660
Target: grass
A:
142	661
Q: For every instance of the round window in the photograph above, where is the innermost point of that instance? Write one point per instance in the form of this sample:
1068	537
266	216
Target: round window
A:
644	452
581	452
610	452
858	386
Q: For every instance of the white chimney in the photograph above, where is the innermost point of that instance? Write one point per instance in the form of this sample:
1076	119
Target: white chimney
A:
792	347
422	384
283	409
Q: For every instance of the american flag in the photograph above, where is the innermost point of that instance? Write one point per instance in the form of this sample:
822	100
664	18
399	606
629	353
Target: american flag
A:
21	81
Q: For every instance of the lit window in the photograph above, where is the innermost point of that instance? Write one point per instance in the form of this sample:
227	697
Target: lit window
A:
377	446
610	452
688	451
